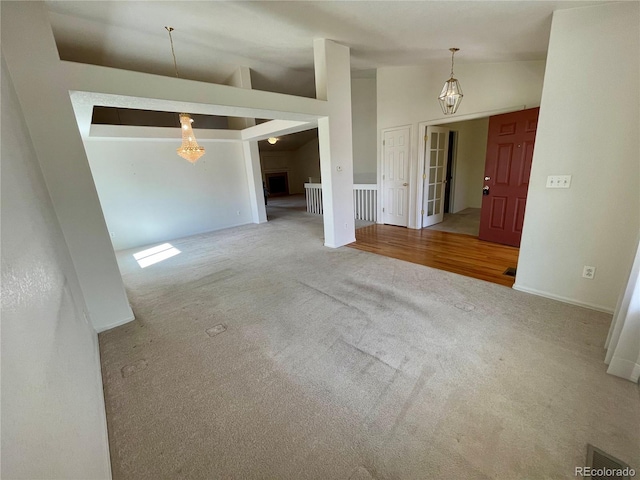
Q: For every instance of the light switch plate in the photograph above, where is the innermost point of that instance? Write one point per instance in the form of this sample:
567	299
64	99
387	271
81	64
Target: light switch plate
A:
558	181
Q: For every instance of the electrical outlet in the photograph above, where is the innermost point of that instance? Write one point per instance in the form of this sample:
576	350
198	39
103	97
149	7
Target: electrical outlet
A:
589	272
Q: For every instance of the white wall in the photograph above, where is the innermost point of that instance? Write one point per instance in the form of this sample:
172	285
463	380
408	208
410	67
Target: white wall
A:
149	194
588	128
471	150
408	96
53	417
363	111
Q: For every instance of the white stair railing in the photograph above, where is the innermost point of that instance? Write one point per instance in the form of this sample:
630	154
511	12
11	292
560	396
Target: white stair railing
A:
365	200
313	193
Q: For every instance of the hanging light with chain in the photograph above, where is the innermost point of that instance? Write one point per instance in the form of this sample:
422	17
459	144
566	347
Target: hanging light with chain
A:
451	94
190	150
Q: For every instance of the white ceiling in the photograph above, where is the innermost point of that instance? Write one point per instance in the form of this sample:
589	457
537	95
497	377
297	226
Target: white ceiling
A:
275	38
289	142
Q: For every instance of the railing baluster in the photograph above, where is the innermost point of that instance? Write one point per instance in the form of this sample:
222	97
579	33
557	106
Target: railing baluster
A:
315	200
365	200
367	203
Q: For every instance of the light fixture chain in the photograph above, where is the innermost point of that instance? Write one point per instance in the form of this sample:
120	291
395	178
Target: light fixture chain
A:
175	64
452	54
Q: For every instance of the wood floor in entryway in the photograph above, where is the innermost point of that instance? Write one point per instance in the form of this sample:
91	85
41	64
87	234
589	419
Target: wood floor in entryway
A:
453	252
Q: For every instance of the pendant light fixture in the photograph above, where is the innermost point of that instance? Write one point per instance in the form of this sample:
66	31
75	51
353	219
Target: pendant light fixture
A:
451	94
190	150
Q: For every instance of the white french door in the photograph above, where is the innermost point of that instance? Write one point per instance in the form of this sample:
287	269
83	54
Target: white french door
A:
395	177
436	151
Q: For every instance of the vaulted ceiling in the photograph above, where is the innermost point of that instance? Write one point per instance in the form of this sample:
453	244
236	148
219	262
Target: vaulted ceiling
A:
275	39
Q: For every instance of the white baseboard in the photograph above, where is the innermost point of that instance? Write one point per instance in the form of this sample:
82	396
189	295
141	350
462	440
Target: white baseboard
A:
625	369
592	306
116	324
326	244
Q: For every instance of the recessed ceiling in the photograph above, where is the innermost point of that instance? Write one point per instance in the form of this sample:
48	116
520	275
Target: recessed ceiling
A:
275	39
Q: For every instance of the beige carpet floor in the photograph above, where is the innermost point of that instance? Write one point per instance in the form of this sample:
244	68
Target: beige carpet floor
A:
257	353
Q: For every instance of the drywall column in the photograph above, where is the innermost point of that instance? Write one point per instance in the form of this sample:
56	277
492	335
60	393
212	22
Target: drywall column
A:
53	416
242	78
333	84
254	179
623	347
587	131
32	59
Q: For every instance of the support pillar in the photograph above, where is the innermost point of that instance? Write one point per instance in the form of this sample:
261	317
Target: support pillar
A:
333	84
242	78
30	52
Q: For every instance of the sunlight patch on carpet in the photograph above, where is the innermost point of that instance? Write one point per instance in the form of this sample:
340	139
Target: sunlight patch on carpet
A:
154	255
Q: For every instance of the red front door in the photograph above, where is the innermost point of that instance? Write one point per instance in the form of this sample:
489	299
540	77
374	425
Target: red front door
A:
506	175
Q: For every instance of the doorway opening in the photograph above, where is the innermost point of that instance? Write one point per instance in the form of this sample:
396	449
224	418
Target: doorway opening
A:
287	163
466	144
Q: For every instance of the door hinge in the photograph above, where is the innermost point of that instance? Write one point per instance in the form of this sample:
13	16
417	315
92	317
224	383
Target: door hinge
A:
421	212
424	176
383	177
426	137
383	209
384	142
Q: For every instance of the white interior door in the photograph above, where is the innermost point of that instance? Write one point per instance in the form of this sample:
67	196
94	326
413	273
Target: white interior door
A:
436	151
395	177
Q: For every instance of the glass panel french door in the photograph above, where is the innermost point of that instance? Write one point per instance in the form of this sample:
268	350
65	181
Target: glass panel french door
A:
436	149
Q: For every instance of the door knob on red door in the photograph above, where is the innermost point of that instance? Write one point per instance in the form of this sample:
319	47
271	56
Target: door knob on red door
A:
485	190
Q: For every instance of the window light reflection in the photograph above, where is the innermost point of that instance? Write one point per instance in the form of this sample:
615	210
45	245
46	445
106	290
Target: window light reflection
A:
154	255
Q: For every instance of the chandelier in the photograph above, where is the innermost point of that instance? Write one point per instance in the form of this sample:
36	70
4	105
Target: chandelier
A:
451	94
190	150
